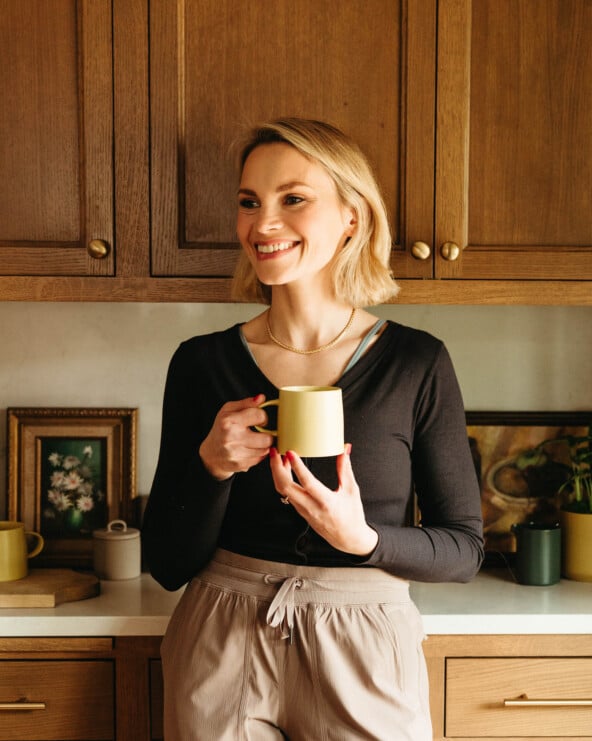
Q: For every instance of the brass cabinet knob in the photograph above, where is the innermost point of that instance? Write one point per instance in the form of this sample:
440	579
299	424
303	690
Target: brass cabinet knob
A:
450	251
98	249
421	250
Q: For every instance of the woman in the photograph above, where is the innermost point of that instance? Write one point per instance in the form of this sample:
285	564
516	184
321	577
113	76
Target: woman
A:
328	572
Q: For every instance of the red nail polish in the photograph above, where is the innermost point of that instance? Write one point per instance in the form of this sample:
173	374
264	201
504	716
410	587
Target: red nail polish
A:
272	452
290	456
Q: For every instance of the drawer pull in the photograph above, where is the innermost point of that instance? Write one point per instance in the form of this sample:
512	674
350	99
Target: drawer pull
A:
22	705
523	701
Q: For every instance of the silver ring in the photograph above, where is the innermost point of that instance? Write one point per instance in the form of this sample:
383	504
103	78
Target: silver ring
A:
285	500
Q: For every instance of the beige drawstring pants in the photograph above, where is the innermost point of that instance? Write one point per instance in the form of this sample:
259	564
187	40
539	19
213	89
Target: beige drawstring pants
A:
261	651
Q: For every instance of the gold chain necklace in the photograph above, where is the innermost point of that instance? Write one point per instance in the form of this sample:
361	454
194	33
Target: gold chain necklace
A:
291	348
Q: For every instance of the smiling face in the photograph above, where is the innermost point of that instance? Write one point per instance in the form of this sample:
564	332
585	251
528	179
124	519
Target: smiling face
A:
291	221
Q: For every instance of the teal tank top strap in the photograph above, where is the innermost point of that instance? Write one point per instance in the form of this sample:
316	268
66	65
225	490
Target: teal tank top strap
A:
364	344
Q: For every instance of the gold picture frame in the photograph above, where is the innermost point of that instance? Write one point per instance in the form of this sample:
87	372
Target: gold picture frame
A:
70	471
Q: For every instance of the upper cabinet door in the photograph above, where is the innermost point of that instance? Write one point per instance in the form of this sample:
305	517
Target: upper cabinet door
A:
56	133
514	139
218	66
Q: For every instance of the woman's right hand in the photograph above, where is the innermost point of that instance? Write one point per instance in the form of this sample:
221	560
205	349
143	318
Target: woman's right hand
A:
231	445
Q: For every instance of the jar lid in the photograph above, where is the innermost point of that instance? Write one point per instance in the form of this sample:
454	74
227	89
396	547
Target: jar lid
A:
117	530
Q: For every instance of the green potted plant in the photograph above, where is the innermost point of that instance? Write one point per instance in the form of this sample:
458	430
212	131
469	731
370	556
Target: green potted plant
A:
575	506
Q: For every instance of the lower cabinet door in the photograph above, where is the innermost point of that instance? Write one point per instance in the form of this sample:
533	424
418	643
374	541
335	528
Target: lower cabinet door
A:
156	700
65	700
519	697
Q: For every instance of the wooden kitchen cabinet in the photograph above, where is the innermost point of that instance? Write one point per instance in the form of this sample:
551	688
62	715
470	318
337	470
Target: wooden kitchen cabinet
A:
111	688
56	129
514	140
80	689
57	689
215	64
506	101
475	115
512	687
74	201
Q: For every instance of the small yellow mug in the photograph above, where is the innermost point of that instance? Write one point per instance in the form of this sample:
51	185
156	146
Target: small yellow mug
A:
14	550
310	420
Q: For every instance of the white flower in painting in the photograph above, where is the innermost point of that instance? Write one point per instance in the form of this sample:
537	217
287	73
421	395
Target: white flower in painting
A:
55	459
85	503
71	461
72	480
87	451
58	480
59	500
86	488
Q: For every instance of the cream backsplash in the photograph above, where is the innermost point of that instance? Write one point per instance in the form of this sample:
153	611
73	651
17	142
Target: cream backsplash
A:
521	358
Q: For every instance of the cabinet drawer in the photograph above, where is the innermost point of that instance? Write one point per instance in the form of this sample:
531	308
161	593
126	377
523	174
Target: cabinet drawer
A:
477	690
77	696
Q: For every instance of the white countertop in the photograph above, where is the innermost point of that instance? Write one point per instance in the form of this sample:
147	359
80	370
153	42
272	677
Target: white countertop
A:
491	604
139	607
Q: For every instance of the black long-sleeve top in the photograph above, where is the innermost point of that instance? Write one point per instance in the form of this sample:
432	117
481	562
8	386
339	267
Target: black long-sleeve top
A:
405	419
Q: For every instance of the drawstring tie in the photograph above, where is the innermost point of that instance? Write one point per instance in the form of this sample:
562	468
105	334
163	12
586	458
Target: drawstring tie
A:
281	610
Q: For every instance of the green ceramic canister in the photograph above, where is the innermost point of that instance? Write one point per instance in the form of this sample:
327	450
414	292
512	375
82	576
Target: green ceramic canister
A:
538	553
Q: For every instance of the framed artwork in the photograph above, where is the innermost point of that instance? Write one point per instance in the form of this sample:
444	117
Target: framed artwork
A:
70	471
518	483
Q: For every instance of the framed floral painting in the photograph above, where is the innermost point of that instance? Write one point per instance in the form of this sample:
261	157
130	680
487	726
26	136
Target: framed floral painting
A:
70	471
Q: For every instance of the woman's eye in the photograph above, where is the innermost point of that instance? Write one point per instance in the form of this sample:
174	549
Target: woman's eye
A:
293	200
247	203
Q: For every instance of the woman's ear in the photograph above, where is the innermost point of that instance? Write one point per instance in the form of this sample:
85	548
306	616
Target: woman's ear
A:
352	222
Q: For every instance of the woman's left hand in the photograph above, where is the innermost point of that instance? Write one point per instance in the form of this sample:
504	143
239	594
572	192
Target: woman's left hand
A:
338	516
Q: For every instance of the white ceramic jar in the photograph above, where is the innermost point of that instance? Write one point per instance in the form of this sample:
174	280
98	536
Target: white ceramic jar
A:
117	552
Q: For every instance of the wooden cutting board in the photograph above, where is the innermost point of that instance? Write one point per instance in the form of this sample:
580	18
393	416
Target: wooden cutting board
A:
48	588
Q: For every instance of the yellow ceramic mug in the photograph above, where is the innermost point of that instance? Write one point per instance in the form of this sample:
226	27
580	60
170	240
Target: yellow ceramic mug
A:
14	550
310	420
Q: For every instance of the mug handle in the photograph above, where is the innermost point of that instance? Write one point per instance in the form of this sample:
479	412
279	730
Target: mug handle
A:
40	543
271	403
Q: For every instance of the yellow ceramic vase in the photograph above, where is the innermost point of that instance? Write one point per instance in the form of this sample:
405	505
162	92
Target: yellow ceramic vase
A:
576	545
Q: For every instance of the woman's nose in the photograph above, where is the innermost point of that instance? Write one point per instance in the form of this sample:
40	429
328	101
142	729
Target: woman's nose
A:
268	219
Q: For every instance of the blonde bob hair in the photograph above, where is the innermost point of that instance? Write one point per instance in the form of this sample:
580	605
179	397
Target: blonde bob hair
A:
361	270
